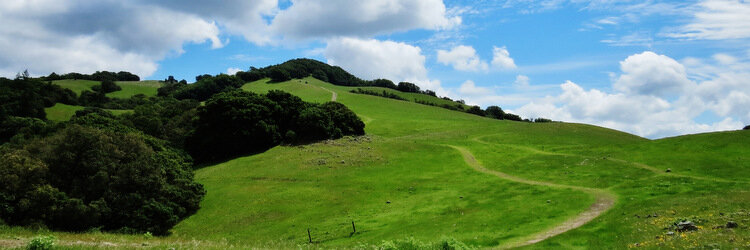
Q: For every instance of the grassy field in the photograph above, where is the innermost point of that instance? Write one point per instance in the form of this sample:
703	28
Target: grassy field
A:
429	173
76	86
63	112
129	89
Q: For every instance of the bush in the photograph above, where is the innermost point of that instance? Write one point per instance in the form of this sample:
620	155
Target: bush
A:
747	127
238	122
83	177
43	242
106	86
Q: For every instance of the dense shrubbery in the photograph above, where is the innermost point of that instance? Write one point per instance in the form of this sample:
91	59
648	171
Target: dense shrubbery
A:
204	88
107	86
237	122
97	76
27	97
81	178
384	93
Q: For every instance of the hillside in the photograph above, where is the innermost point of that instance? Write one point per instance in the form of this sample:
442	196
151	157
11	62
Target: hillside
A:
411	161
429	174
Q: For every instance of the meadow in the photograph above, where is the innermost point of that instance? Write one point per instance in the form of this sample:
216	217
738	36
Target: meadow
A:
63	112
428	174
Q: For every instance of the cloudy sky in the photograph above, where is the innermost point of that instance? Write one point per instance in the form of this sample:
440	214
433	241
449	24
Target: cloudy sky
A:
652	68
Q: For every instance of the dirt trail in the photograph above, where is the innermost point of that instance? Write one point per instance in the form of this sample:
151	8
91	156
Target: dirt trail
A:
605	199
334	95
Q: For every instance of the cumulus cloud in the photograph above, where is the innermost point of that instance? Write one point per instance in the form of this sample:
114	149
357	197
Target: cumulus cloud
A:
462	58
469	88
501	58
331	18
85	36
67	36
648	73
638	105
716	20
371	58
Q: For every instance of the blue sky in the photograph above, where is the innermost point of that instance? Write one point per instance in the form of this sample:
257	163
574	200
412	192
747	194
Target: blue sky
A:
652	68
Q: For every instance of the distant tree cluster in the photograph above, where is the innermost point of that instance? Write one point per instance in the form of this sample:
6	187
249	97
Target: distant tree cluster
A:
747	127
205	87
384	93
301	68
237	122
97	76
27	97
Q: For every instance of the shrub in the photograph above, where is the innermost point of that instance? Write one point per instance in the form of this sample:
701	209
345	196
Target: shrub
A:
82	178
238	122
43	242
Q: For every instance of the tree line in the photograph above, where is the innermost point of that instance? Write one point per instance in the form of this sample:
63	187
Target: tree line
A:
303	67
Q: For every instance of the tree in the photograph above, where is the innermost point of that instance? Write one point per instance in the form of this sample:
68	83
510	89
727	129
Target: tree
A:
494	112
279	75
234	123
747	127
408	87
107	86
476	110
83	177
385	83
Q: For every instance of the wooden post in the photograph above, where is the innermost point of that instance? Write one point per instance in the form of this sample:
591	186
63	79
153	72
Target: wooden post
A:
309	238
353	227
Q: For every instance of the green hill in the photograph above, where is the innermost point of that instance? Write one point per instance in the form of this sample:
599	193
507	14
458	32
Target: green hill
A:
428	174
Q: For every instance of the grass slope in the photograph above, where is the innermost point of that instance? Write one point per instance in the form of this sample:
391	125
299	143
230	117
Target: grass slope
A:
410	177
129	88
62	112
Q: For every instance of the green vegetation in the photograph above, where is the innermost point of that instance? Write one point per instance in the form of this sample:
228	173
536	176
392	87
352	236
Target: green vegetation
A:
130	89
429	177
63	112
76	86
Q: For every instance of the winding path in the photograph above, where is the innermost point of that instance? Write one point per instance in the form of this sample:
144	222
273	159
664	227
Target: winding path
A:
605	200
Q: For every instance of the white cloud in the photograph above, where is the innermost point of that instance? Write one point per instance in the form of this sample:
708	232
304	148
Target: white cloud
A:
522	81
638	106
65	36
232	71
370	59
462	58
469	88
650	74
331	18
501	58
717	20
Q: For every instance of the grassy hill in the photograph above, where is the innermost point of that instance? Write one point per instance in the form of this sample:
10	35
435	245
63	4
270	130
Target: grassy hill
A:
129	88
430	173
62	112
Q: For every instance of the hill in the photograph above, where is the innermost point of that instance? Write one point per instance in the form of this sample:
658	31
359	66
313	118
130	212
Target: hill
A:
433	175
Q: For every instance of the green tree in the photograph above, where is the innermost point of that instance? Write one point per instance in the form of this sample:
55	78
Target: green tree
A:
494	112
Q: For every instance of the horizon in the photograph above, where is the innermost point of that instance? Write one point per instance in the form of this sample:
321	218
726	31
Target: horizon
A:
651	68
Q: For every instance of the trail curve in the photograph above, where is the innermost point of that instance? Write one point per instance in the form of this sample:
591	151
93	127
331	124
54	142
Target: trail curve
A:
605	200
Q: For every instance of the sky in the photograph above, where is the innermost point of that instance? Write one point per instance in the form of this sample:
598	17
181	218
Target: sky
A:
652	68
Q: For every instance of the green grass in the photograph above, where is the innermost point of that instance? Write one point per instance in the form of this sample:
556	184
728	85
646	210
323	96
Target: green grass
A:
76	86
129	88
63	112
269	200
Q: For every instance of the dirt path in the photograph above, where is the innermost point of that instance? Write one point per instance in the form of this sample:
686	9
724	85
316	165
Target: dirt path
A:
334	95
605	199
